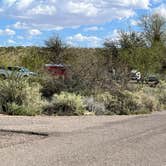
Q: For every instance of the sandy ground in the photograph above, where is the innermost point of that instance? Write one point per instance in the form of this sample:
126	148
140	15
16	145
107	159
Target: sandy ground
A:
46	124
84	141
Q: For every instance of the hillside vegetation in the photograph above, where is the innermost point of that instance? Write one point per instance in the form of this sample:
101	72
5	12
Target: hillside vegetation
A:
99	78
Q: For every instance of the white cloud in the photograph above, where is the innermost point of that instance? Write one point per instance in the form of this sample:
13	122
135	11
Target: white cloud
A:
161	10
93	28
113	36
134	22
42	10
91	41
11	41
22	4
8	32
84	8
48	27
34	32
62	13
18	4
141	4
20	25
57	28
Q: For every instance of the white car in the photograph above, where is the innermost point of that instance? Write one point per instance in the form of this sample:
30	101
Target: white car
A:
135	75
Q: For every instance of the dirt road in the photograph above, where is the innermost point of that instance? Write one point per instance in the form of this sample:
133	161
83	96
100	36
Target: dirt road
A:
83	141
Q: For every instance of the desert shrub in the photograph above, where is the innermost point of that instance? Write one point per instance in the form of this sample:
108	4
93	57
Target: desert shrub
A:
162	99
66	104
50	86
110	102
19	97
94	106
133	87
11	90
15	109
33	100
125	102
162	94
147	99
77	85
149	103
120	103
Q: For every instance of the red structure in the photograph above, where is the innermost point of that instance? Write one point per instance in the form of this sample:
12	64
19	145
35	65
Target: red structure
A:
57	70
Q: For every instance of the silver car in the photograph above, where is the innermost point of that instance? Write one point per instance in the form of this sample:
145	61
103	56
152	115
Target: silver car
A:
7	72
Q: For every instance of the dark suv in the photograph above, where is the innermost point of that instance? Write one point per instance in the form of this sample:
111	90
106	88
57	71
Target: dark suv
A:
152	81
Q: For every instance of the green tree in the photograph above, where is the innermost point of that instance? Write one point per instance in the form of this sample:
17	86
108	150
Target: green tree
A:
33	58
56	48
131	40
135	52
154	27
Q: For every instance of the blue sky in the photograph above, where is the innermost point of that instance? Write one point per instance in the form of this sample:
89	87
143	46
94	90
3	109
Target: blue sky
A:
81	23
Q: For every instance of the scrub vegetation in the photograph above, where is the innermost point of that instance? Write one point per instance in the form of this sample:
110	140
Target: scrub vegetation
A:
98	79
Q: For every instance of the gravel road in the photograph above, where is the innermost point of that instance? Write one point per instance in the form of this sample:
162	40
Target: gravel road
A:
84	141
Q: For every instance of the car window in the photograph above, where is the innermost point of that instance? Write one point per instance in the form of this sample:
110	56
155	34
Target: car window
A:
152	78
13	68
9	68
24	69
20	69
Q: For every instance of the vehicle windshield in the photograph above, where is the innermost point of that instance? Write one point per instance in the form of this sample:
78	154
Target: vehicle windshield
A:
24	70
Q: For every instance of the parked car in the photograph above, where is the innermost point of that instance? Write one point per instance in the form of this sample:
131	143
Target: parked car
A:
6	72
135	75
152	81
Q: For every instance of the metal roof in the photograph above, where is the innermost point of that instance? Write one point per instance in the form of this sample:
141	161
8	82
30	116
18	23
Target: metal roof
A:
56	65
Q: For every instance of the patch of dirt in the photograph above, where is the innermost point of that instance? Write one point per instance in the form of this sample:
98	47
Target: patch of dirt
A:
11	138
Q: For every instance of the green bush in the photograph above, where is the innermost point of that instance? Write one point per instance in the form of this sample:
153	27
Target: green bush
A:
50	86
162	99
11	90
33	101
15	109
162	94
66	104
19	97
147	99
119	103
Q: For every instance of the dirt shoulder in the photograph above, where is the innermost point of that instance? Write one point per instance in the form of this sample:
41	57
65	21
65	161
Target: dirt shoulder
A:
55	124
